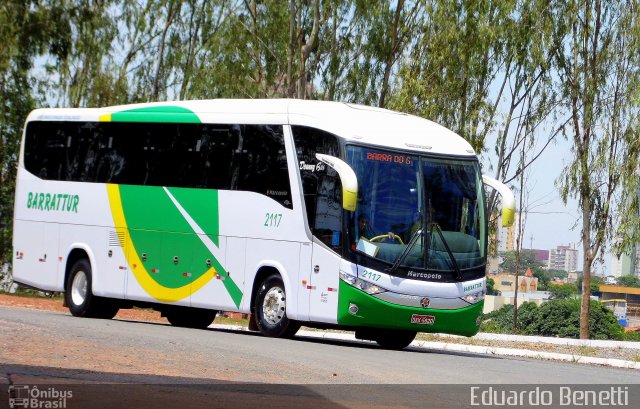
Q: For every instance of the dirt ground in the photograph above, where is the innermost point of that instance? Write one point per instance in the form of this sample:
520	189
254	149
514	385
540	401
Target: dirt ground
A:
55	304
136	314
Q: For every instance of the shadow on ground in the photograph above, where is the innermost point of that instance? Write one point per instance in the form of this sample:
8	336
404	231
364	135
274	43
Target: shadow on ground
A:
92	389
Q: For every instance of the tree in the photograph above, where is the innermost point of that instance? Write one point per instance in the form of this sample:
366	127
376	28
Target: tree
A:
557	273
83	78
597	74
456	59
556	318
561	318
562	291
595	284
376	37
629	281
491	287
527	260
525	88
484	70
27	29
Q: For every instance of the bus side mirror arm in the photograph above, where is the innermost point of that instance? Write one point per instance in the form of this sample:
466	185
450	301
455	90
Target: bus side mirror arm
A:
347	177
508	200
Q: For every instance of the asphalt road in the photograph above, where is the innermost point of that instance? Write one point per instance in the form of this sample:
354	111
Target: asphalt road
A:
232	368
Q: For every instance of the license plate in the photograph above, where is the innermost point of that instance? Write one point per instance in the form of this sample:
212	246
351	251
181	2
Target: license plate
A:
423	319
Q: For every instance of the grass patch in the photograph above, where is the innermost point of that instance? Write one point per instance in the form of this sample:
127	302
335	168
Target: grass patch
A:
586	351
28	293
231	321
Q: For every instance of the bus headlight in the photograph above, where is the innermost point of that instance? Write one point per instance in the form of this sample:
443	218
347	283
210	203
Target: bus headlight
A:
365	286
474	298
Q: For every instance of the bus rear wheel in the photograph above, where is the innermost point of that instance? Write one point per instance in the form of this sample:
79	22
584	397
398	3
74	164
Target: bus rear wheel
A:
191	317
80	299
395	339
271	309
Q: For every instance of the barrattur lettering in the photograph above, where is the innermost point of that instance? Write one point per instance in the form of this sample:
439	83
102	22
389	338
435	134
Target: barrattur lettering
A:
57	202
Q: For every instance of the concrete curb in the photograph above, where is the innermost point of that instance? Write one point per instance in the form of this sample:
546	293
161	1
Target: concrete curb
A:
597	343
475	349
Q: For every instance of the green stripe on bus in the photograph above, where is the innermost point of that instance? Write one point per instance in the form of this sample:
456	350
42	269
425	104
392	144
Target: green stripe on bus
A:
169	114
202	206
156	225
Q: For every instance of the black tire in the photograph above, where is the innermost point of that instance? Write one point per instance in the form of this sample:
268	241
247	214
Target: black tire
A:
395	339
80	299
190	317
274	321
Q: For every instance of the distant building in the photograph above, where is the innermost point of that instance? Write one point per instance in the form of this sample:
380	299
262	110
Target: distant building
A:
631	297
627	264
505	282
573	276
494	302
541	255
621	265
563	258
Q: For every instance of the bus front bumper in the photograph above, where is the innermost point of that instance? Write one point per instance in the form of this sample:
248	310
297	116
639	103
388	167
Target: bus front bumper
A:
376	313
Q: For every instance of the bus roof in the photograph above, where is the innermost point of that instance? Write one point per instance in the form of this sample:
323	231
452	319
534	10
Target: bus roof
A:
356	123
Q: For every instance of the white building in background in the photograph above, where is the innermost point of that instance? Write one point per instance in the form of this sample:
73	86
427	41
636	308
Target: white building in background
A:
620	265
627	263
507	235
563	258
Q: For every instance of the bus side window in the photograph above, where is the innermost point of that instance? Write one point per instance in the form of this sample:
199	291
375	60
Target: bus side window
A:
261	163
321	185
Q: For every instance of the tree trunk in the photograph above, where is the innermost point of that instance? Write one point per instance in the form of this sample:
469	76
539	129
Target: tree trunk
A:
306	47
292	49
171	13
586	270
391	56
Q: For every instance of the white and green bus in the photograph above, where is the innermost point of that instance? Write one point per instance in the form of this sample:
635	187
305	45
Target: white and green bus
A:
297	212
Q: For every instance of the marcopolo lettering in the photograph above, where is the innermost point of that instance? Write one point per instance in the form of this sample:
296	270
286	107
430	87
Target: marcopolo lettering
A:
56	202
424	276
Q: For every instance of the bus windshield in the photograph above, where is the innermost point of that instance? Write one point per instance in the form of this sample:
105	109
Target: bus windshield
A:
418	212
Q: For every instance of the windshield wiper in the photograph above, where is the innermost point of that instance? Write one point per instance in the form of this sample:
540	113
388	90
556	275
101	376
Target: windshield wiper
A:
446	246
406	251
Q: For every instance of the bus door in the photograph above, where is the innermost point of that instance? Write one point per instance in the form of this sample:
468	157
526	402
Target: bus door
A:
304	281
323	297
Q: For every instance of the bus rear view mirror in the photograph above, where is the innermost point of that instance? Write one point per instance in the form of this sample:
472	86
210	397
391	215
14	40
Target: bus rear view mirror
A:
347	177
508	200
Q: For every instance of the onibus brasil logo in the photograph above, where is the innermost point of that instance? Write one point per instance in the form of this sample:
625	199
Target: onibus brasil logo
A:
27	396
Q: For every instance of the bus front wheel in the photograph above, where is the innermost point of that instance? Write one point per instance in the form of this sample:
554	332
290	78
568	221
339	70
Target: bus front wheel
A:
270	309
80	299
395	339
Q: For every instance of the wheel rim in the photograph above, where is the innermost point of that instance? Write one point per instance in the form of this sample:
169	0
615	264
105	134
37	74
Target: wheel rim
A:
273	306
79	288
